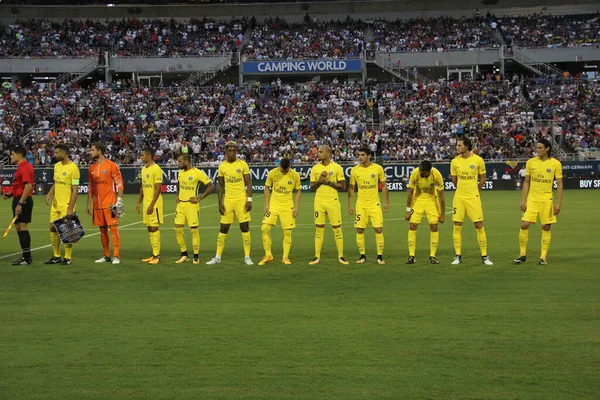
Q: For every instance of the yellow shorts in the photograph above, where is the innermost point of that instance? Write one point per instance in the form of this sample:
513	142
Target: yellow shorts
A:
363	214
235	209
470	207
328	209
155	219
543	209
58	211
431	208
187	213
284	214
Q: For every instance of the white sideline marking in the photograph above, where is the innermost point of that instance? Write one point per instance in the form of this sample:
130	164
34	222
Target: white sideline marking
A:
90	235
123	228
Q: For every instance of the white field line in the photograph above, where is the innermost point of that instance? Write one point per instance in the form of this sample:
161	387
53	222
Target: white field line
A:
125	228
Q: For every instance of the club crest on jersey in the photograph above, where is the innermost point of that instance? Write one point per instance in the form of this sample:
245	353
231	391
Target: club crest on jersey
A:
372	175
190	178
472	166
289	182
330	172
65	173
147	175
104	171
238	170
548	170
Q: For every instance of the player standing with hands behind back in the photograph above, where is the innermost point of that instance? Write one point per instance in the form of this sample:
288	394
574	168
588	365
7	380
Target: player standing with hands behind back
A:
235	200
468	175
189	179
541	171
151	199
367	177
64	190
326	178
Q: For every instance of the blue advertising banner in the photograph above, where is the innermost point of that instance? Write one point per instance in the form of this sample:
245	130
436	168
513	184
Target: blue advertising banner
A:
301	66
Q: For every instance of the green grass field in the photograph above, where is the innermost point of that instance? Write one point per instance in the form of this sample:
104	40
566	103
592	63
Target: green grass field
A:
230	331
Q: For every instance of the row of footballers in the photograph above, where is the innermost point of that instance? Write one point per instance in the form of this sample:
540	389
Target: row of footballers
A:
282	200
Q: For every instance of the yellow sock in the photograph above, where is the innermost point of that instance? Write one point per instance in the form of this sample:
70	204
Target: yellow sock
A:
379	242
319	233
180	237
360	243
434	239
523	239
339	241
221	239
195	240
457	238
69	251
546	236
266	239
155	243
246	240
287	242
482	239
412	242
55	240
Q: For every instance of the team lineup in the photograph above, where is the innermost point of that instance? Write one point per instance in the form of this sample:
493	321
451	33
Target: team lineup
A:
282	194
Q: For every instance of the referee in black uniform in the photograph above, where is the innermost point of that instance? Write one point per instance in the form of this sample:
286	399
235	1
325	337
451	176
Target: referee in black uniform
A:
22	190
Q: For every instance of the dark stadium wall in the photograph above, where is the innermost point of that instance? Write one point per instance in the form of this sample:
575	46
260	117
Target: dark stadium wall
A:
296	11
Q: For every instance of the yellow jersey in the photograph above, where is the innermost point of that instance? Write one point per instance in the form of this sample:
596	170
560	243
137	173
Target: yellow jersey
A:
282	186
65	176
335	174
189	182
542	174
150	176
367	180
426	188
467	171
233	174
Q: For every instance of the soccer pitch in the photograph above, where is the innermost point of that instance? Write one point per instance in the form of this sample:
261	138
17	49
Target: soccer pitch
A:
231	331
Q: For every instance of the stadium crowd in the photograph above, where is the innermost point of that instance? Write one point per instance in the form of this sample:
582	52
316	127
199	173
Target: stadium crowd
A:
399	123
275	38
433	34
539	30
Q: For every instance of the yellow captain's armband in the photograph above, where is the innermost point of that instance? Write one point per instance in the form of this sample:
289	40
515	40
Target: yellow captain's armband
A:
74	181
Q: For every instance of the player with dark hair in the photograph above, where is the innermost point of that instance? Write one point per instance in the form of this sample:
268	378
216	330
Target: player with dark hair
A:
279	204
326	178
105	189
537	199
22	204
188	205
235	200
63	196
425	185
366	177
151	199
468	175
